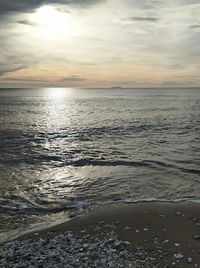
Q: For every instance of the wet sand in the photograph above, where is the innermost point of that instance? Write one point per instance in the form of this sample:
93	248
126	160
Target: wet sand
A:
168	232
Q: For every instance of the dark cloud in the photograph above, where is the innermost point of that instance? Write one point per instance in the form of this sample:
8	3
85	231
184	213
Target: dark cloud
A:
146	4
187	2
181	82
195	26
28	5
5	71
25	80
27	22
142	19
73	78
18	5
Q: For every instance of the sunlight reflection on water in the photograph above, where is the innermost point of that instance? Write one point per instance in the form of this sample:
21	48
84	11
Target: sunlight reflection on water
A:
58	93
61	147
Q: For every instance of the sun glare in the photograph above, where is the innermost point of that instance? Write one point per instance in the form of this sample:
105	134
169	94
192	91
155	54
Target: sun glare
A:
57	93
54	24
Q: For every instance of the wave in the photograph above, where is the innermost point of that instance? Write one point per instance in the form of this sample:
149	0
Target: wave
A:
83	208
29	207
61	161
33	134
23	205
143	163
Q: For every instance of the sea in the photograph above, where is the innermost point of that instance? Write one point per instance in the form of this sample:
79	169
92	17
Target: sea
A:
65	150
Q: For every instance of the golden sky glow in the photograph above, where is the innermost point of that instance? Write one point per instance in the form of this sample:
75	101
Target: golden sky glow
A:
99	43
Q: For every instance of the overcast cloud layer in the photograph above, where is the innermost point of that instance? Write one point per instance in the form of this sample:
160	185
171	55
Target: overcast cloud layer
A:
23	5
103	43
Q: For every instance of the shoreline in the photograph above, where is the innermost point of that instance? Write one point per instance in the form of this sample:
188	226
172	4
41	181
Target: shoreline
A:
39	228
166	233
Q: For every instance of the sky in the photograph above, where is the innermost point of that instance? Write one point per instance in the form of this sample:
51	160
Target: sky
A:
99	43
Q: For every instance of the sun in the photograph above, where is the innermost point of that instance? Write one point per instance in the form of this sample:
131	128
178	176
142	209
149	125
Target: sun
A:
53	24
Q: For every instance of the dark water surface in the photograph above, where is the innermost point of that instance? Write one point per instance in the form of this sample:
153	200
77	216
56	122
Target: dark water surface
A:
62	150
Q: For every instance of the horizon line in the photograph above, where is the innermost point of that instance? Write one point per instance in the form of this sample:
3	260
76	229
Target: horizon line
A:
112	87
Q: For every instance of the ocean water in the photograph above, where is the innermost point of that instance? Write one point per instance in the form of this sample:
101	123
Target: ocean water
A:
65	150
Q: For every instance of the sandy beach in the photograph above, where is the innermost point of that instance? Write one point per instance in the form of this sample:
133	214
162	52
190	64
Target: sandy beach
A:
160	234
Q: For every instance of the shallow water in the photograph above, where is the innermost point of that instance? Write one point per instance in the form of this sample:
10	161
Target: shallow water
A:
63	150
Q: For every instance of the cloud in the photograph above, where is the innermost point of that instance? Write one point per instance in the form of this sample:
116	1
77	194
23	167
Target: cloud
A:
27	22
142	19
182	82
145	4
195	26
27	5
27	79
124	40
6	71
73	78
